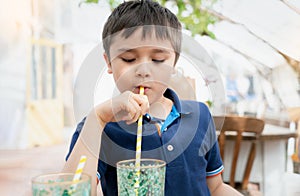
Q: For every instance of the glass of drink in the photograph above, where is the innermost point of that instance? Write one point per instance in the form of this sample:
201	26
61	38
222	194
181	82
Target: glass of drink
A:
61	184
150	180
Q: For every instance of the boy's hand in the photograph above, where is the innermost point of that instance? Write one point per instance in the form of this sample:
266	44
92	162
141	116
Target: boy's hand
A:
127	106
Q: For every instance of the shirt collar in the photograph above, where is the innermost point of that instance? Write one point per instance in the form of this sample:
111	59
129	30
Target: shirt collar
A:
170	94
177	109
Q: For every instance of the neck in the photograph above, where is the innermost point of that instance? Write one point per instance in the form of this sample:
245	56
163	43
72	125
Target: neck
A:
161	109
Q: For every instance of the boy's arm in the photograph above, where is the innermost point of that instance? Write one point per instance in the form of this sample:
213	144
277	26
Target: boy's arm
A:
218	188
127	106
88	144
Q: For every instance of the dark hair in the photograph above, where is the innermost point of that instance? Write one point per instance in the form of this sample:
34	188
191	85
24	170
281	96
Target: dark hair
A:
131	15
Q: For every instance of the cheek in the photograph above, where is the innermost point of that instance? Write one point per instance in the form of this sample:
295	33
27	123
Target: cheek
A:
121	82
164	74
118	69
122	77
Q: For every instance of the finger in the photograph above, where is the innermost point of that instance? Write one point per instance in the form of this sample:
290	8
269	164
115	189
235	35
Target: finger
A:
128	117
143	102
145	105
137	113
132	119
133	111
129	111
135	104
132	106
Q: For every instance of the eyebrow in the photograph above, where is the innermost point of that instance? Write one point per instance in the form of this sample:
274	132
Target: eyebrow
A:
155	50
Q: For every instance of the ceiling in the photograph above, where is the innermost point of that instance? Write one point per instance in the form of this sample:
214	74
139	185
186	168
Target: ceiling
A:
271	27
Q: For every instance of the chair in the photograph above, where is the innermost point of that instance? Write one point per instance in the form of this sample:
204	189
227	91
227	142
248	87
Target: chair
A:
239	128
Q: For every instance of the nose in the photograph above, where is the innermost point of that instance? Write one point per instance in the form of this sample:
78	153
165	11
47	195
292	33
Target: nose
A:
143	70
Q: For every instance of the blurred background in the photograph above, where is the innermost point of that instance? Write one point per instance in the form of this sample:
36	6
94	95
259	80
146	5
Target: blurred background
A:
254	45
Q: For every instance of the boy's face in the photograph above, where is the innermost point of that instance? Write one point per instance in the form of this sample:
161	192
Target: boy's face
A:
138	61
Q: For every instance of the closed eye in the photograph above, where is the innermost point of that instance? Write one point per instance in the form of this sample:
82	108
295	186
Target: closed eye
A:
158	61
127	60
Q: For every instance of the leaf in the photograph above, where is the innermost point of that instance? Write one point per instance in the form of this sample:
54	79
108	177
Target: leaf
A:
88	1
91	1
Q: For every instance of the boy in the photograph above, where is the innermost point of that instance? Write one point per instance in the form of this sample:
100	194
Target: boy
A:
142	43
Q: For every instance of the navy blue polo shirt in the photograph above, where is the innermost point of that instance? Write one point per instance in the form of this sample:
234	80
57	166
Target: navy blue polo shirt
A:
188	144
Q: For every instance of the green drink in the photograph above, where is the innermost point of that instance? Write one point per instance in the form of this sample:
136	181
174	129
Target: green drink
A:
61	184
151	180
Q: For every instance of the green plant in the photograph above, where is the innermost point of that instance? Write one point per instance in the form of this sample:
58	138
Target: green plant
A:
193	17
88	1
189	12
209	103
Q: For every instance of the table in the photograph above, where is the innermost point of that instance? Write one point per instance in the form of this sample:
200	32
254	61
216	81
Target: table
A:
18	167
270	162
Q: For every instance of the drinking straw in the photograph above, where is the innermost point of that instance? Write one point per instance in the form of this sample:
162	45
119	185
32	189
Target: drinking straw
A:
78	172
138	147
79	169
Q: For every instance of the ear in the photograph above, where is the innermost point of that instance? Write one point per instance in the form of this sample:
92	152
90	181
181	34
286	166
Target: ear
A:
109	70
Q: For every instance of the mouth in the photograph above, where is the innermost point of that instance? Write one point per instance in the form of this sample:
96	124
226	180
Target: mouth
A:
137	89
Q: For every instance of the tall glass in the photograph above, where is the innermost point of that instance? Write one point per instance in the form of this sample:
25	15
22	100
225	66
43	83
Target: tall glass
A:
151	178
61	184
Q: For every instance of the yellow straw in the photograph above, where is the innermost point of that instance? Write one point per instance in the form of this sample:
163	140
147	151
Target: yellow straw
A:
138	147
79	170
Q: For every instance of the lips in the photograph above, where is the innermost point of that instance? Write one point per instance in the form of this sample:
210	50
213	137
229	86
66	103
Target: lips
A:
137	89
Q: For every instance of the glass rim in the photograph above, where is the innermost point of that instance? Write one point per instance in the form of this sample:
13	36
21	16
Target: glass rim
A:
84	178
161	163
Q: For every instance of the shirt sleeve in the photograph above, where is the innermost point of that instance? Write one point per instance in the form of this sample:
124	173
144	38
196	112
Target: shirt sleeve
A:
75	137
214	162
213	157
